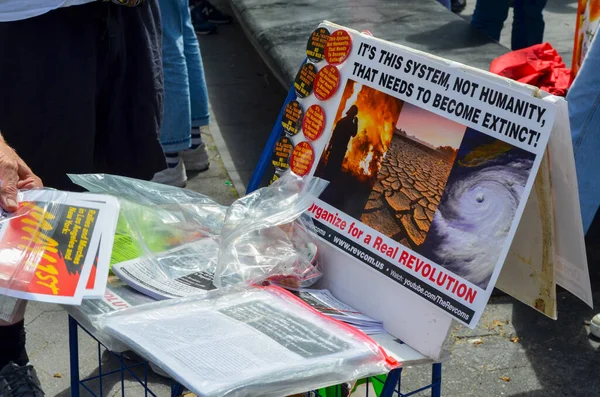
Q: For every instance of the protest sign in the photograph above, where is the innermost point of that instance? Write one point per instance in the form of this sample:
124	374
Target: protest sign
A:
429	167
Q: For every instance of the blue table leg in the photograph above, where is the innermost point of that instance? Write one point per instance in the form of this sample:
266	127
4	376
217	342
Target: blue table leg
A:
436	380
265	156
176	388
74	356
391	382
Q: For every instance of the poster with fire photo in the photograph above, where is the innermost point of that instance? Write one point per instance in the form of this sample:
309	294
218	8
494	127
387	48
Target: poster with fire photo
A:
429	167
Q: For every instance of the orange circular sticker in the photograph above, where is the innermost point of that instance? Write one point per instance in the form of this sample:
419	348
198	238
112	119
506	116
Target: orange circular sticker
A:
327	82
292	116
303	83
313	123
338	47
302	159
315	48
281	153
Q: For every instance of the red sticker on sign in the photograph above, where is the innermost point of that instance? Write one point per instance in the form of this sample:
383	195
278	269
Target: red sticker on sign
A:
302	159
327	82
313	123
338	47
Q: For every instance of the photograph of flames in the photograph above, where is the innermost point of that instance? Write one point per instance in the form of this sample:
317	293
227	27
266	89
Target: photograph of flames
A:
362	131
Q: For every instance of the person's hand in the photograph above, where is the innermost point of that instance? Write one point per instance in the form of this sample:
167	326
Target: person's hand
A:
14	175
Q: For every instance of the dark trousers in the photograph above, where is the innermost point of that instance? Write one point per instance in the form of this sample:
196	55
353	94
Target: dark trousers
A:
528	22
81	91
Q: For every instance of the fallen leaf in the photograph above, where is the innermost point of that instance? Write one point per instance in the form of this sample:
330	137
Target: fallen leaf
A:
505	378
514	339
57	375
476	342
496	323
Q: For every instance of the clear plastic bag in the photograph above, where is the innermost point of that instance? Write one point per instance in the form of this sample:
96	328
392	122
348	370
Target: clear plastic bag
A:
263	237
251	341
171	204
117	296
165	245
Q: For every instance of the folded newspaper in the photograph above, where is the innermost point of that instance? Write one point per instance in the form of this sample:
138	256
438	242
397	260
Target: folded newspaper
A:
183	271
326	303
256	341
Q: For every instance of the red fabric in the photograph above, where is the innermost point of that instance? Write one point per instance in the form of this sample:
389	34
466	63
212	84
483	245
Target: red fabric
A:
538	65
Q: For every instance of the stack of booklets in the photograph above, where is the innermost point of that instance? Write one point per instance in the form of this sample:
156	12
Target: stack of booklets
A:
182	271
251	341
56	248
326	303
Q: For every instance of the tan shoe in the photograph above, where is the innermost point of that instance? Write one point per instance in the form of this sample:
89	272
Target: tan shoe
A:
172	176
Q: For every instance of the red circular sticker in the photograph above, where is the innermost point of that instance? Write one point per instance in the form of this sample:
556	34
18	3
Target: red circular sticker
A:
327	82
302	159
338	47
313	123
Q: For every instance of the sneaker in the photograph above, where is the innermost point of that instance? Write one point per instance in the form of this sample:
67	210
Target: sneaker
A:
17	381
201	25
212	14
195	159
457	6
172	176
595	326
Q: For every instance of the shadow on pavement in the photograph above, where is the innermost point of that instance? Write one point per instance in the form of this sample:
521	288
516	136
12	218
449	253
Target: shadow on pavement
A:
111	383
454	35
566	359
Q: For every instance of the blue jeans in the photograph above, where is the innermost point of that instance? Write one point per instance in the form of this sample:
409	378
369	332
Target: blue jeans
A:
528	21
186	97
584	115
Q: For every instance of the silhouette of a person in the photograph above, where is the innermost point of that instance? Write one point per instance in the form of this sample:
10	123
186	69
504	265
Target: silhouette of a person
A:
344	130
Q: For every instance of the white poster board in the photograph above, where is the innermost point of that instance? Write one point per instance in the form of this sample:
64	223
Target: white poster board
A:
430	163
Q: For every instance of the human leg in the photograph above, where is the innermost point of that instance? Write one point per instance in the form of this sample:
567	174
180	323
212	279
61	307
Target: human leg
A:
130	92
528	23
47	115
489	17
176	129
196	159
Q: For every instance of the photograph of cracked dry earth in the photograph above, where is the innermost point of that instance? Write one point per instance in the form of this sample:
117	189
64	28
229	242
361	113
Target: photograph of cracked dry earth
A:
444	190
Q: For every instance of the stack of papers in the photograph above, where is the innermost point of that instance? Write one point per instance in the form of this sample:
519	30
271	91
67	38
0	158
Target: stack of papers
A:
56	247
183	271
326	303
255	341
